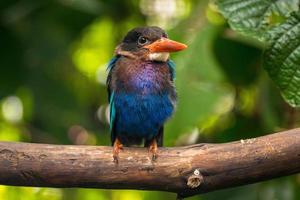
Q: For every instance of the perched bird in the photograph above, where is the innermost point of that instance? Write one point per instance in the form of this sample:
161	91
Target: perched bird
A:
141	88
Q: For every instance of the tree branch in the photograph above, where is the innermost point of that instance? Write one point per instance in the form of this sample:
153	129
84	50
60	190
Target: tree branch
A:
184	170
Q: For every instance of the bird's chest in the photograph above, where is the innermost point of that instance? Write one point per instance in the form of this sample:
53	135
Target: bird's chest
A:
144	78
142	98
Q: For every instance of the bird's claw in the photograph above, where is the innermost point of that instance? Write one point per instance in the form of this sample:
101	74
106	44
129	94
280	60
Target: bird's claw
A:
116	159
154	156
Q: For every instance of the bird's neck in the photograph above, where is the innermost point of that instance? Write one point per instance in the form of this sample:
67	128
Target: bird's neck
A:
142	75
142	55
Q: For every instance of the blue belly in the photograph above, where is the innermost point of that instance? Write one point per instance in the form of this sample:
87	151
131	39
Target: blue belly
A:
140	115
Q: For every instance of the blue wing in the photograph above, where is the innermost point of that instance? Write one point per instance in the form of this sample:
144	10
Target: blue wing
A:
112	111
109	68
110	92
172	67
112	63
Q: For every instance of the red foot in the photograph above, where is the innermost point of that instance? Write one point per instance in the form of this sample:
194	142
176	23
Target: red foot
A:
118	146
153	149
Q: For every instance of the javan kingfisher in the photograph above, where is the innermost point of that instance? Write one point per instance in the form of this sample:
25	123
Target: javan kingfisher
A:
141	89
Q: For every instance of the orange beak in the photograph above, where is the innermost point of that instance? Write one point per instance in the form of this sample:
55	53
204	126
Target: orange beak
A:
165	45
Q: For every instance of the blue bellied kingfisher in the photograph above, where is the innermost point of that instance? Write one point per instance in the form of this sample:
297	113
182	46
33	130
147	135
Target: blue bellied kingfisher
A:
141	89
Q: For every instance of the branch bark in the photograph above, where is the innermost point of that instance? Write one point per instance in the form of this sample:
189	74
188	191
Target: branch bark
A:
186	170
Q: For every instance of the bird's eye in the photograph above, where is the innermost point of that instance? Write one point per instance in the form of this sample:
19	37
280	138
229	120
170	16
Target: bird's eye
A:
142	40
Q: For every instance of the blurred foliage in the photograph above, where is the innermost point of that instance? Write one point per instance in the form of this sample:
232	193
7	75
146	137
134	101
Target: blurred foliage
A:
52	83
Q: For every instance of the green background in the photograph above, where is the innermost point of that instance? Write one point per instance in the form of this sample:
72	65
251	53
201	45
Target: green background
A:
53	59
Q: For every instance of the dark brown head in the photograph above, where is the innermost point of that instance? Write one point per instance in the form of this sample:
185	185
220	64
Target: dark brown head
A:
150	43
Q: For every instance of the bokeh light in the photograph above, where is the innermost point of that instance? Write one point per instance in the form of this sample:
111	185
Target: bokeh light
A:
12	109
164	13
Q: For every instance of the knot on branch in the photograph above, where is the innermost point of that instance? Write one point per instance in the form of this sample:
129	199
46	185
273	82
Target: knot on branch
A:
195	179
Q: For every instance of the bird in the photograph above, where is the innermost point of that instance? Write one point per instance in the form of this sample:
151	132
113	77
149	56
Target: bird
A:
141	90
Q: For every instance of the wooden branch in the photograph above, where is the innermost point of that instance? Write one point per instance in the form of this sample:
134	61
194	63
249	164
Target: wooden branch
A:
184	170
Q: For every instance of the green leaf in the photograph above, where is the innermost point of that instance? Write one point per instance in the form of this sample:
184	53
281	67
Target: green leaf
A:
254	17
282	58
